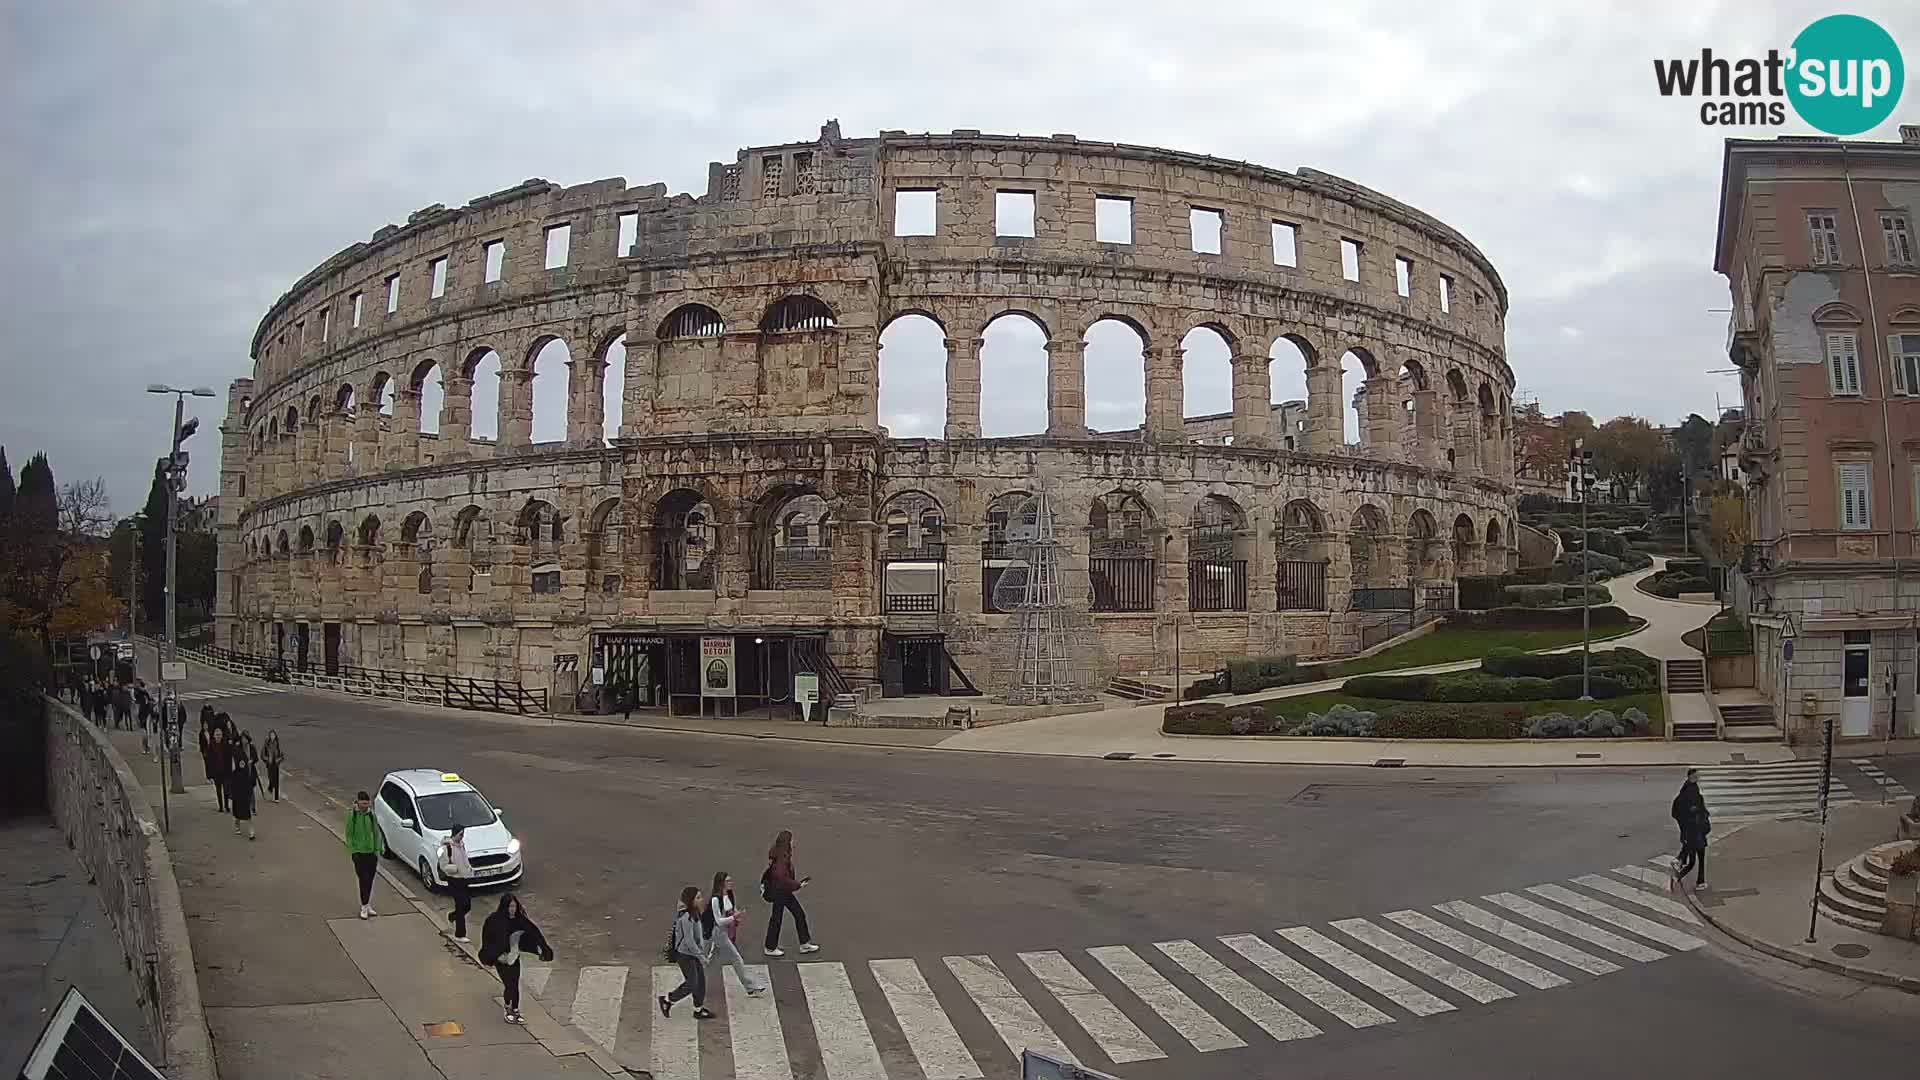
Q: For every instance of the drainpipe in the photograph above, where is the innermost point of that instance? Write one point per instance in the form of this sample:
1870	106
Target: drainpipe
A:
1886	440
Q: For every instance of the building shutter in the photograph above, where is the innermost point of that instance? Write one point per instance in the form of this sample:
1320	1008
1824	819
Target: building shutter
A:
1855	495
1843	364
1899	362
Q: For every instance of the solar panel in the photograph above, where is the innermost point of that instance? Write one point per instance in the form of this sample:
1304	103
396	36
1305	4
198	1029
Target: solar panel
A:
79	1044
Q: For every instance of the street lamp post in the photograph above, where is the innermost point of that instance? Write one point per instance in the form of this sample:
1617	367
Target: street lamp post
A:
1583	486
176	481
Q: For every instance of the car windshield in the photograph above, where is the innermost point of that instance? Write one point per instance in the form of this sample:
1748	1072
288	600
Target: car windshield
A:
465	808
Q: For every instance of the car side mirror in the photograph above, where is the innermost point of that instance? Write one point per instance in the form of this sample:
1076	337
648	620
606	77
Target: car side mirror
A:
498	813
408	823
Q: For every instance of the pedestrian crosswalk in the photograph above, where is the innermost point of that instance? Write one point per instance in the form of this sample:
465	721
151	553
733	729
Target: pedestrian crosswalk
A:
230	691
1886	783
1762	792
970	1017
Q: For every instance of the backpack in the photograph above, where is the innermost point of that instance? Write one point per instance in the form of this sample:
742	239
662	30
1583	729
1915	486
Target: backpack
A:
766	884
668	953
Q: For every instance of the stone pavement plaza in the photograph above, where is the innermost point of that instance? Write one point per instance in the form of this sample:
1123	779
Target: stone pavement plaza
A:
297	988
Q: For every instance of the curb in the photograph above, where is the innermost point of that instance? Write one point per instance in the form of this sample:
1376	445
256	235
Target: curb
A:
1858	972
469	952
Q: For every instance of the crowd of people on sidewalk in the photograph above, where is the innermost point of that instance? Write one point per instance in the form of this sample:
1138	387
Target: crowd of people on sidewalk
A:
706	928
232	764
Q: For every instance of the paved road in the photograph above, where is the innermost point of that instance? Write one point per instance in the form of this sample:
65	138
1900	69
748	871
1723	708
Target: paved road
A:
1155	919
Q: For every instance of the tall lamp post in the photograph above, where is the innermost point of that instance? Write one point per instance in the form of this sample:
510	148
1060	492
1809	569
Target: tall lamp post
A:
176	482
1578	464
133	567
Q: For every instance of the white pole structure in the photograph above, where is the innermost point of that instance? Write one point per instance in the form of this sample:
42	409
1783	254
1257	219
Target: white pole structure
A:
176	481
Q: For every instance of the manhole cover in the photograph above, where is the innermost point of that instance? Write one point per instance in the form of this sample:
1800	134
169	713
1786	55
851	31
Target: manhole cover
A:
1163	755
444	1029
1389	762
1851	951
1595	757
1119	755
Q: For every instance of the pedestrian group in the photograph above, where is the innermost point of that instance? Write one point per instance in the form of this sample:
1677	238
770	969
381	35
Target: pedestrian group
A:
706	928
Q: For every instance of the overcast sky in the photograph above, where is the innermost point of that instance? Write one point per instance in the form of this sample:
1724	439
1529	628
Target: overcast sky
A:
172	168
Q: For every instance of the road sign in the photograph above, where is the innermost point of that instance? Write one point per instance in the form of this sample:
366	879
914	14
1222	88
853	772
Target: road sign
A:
94	652
1786	650
173	671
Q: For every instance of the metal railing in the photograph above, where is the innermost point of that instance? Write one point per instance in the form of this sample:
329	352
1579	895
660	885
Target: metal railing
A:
1217	585
1381	599
1122	584
451	691
1301	585
911	603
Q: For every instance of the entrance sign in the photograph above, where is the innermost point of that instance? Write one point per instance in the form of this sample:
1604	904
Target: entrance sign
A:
716	667
599	676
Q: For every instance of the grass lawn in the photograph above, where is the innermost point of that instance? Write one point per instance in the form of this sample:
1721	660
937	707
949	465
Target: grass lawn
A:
1445	646
1297	708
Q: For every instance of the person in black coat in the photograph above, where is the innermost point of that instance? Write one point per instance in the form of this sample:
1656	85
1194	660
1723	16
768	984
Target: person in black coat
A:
1690	814
504	938
240	781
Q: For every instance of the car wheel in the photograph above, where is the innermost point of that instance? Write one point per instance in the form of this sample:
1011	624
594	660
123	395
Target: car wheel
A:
385	851
426	875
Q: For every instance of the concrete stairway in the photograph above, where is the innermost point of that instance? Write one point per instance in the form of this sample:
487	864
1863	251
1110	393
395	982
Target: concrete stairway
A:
1686	676
1749	723
1856	894
1138	689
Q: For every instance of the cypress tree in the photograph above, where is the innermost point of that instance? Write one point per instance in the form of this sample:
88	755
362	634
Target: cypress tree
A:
153	546
6	491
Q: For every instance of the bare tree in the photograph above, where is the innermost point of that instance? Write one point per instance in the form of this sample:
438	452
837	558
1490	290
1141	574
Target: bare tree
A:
85	510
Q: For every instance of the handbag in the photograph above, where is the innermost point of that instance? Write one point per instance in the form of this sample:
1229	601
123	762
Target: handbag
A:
766	884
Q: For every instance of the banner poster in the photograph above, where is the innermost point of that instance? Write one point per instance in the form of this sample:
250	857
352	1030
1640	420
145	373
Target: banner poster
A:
716	667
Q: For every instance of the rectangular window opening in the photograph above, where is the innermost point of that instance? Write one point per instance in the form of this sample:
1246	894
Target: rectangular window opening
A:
1856	495
1286	239
495	252
300	331
916	212
559	241
1350	259
326	324
1446	293
629	234
355	301
393	293
1898	231
1905	350
439	270
1207	226
1013	213
1403	275
1824	236
1843	364
1112	219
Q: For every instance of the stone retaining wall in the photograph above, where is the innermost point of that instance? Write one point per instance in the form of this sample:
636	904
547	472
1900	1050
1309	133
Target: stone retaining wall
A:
101	808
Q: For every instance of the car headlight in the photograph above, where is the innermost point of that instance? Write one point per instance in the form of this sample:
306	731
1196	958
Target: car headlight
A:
513	846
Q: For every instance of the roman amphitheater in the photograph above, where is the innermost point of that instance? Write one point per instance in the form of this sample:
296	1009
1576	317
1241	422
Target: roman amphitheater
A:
377	512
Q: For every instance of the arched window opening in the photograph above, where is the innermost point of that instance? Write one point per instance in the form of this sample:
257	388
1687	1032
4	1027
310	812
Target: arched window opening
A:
1302	547
1124	545
913	378
1422	542
1287	362
336	541
281	547
1368	559
1217	556
797	314
606	545
1011	517
1013	377
539	528
546	579
913	556
613	389
793	541
691	321
484	416
433	396
1353	387
306	539
473	534
424	583
684	554
1465	543
551	371
1116	378
343	401
1206	380
370	531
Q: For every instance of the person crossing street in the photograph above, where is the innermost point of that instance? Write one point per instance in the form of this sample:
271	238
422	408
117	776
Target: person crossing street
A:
458	870
1690	814
690	949
778	885
721	922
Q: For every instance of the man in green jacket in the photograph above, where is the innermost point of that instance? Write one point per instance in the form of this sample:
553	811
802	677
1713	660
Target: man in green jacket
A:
365	842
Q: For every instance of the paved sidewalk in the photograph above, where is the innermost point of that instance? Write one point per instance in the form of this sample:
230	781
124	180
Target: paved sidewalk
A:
296	987
1760	886
56	935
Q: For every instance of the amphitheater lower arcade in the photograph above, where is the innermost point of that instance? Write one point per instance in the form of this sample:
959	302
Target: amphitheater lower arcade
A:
723	472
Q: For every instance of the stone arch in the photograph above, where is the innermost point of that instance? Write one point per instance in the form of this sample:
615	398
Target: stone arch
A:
306	539
380	393
792	538
336	541
293	422
426	380
797	313
1493	532
549	365
606	546
1013	374
911	521
1123	548
417	529
1206	376
685	554
1114	374
313	409
1289	358
1366	547
1422	546
369	533
1357	367
540	527
1466	540
691	321
343	401
482	371
912	371
1218	551
1456	385
1414	374
280	544
921	310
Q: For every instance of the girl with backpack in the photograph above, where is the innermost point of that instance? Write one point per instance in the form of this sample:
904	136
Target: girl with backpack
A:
688	947
778	886
721	921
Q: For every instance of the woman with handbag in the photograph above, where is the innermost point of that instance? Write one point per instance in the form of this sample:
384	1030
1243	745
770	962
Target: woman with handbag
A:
778	885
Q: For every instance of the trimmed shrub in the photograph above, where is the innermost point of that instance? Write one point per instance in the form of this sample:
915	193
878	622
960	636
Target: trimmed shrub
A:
1568	686
1637	722
1470	686
1553	725
1204	718
1606	617
1214	684
1340	721
1391	687
1602	724
1253	673
1432	720
1528	688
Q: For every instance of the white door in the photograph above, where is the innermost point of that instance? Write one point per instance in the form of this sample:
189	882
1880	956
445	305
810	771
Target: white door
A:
1856	687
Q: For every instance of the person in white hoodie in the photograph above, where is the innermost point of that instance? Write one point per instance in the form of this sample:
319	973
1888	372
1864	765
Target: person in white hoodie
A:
722	924
458	870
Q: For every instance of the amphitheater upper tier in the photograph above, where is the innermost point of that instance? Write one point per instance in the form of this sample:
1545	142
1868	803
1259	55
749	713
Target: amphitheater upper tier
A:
750	489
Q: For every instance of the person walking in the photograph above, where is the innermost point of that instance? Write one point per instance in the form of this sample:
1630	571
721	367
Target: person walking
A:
689	948
458	870
272	756
721	922
779	886
143	711
240	785
219	764
365	842
206	739
1690	814
122	707
505	937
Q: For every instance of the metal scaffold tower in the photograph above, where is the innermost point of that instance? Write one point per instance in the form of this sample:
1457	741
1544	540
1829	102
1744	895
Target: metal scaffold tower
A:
1056	654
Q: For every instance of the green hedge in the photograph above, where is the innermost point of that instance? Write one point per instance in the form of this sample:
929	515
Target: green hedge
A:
1213	718
1511	675
1425	720
1254	673
1605	617
1507	661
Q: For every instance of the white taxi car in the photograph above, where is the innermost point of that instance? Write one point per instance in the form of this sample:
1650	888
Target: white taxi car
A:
418	808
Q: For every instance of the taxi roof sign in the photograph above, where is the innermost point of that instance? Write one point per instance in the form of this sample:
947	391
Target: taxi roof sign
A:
450	777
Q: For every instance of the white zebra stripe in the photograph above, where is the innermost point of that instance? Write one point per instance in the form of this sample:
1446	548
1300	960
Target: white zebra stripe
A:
1546	916
1519	935
596	1003
1473	948
1466	982
1657	904
1116	1035
1018	1025
533	977
759	1047
1646	928
676	1043
1194	1024
1366	972
1305	981
1274	1018
930	1035
1658	879
846	1045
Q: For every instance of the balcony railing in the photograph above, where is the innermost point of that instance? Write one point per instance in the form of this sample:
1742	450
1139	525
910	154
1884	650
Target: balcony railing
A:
1217	585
